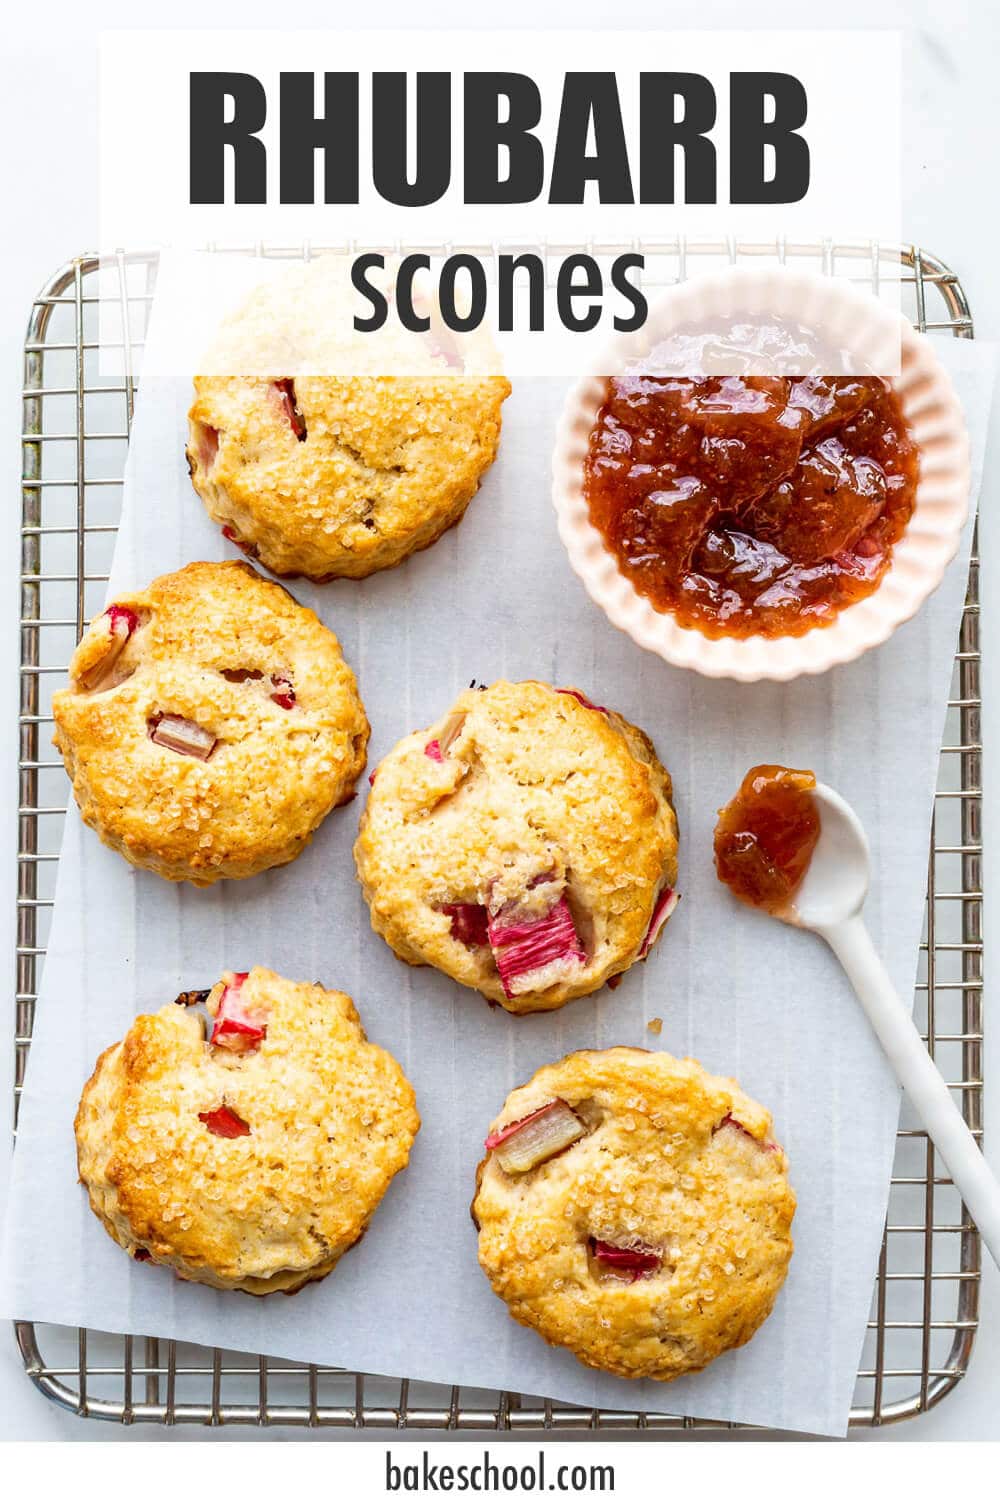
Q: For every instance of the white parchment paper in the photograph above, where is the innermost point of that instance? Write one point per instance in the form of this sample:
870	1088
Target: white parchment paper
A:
496	597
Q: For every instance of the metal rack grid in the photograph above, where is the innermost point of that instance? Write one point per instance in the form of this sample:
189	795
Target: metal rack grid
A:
926	1297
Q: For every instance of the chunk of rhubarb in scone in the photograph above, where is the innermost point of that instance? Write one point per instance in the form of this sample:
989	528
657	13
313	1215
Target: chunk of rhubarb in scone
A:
224	1122
730	1122
205	445
666	903
572	693
284	690
469	923
121	625
437	749
527	1142
183	736
249	549
237	1028
123	621
284	393
534	949
629	1261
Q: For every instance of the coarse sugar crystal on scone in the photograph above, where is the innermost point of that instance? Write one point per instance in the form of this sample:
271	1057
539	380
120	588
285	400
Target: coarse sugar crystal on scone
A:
210	724
249	1151
526	845
635	1210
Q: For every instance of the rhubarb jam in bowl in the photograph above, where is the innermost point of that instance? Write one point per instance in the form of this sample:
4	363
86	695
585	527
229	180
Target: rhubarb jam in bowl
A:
635	1210
763	525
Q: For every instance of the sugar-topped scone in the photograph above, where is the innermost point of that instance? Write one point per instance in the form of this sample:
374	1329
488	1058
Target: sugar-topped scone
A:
251	1151
525	844
635	1210
340	476
210	725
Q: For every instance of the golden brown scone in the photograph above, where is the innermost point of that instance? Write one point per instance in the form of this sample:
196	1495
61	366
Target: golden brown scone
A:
252	1159
525	844
338	476
210	724
658	1234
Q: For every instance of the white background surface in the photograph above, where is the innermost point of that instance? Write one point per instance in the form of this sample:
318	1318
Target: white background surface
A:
48	119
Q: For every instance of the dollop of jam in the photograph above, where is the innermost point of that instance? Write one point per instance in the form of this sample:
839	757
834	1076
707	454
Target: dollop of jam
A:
766	835
749	504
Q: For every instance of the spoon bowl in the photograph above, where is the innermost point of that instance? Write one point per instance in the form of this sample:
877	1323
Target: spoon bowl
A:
836	883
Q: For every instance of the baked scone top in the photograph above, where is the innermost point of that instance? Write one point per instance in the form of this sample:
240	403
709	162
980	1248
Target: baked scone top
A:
338	476
329	1119
263	683
525	802
658	1239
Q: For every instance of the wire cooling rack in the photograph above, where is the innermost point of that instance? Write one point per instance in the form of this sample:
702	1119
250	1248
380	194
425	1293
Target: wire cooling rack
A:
926	1297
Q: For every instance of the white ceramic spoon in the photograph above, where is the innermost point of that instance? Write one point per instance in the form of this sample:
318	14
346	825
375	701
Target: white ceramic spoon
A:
829	902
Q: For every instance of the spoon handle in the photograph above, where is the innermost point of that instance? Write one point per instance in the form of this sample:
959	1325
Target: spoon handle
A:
916	1071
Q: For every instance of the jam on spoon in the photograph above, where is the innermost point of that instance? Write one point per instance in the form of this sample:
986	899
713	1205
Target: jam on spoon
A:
766	835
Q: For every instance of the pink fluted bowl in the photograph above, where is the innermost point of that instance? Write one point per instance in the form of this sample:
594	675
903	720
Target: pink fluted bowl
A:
883	341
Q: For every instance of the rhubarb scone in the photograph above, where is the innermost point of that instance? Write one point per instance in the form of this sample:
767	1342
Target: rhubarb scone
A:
339	476
210	725
247	1145
525	845
635	1210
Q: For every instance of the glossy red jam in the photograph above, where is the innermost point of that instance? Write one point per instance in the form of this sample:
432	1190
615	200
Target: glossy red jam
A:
766	835
751	505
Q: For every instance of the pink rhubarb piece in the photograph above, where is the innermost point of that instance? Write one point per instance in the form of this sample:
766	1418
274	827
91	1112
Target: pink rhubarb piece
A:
183	736
224	1122
284	390
572	693
534	952
236	1027
666	904
284	690
633	1261
469	923
536	1138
